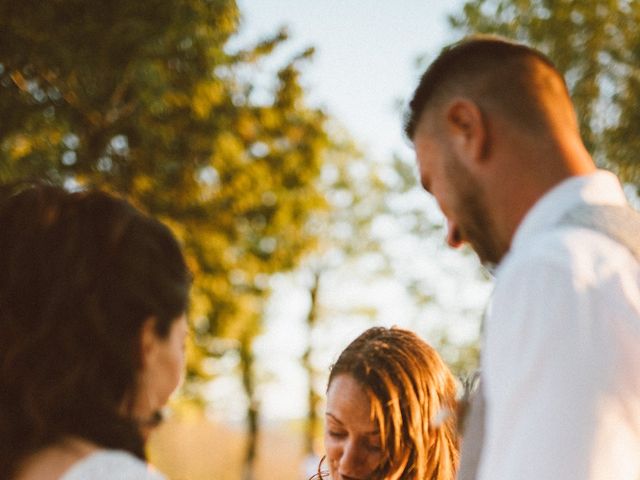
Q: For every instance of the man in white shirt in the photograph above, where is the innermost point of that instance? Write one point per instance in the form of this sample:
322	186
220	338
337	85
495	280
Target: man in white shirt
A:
498	145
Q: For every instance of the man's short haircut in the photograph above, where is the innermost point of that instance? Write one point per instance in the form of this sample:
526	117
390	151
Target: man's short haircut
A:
490	70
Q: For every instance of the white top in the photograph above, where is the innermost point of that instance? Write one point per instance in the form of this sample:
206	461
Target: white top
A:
561	360
111	465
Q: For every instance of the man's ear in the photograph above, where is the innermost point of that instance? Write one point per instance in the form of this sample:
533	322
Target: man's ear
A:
148	341
468	131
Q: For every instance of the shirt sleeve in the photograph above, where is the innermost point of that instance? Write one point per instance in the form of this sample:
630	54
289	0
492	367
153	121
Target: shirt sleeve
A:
539	380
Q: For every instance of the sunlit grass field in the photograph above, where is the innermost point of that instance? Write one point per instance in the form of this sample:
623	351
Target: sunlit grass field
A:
199	449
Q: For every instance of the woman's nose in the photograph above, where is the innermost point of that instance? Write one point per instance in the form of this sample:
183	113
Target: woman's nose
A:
353	462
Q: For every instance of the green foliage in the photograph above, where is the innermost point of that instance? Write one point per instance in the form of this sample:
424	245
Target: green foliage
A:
144	98
596	44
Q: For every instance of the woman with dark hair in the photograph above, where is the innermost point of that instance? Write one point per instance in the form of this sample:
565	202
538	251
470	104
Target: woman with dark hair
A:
93	295
390	410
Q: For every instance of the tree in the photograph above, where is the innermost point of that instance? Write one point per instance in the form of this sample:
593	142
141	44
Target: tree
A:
451	298
355	196
374	208
145	99
596	44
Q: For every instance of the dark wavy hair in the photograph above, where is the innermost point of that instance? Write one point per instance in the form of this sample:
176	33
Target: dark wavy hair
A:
79	275
413	401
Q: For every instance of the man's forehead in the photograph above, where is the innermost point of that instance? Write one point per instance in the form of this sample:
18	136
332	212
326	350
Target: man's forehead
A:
428	120
425	128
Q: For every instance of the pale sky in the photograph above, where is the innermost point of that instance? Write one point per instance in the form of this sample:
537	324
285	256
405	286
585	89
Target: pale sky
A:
366	52
365	64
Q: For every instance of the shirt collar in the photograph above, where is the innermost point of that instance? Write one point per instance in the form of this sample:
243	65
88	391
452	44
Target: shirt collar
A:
599	188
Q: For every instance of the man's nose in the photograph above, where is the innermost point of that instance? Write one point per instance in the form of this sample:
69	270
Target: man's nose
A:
454	238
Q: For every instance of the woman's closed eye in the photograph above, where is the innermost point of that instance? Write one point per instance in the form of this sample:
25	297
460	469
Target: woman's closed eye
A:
337	433
373	447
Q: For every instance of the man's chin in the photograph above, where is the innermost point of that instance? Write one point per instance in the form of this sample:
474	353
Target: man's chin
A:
489	258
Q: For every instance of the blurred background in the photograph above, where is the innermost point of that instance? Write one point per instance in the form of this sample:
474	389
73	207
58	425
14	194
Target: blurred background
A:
268	135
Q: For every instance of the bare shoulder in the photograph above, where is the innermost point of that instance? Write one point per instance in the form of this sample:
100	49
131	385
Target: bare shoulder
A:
51	462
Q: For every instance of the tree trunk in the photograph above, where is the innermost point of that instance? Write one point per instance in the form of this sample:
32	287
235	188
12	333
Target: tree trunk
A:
247	360
313	398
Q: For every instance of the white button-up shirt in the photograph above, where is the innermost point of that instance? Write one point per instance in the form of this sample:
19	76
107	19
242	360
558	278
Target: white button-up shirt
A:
561	360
